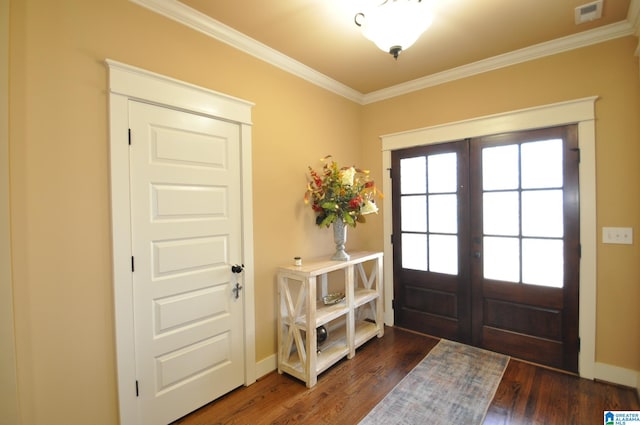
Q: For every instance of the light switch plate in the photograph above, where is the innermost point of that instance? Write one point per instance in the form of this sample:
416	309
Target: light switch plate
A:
617	235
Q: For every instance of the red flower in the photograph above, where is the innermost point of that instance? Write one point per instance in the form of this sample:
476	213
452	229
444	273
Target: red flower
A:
355	202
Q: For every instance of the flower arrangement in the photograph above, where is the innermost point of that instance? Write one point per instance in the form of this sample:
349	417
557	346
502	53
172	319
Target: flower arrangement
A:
345	193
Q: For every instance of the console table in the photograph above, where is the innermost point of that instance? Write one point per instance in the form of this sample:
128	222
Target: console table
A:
349	323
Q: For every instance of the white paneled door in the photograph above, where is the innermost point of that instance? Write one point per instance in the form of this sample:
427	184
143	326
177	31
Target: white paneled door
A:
186	235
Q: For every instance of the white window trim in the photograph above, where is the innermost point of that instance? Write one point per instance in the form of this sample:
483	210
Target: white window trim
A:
127	83
579	111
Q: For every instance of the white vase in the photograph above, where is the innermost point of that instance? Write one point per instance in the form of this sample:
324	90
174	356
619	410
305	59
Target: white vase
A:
340	238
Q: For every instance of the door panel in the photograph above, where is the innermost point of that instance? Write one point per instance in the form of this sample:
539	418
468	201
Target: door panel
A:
525	234
515	243
430	192
185	186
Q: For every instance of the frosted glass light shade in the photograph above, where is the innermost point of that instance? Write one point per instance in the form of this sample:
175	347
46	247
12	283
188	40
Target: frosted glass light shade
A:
396	24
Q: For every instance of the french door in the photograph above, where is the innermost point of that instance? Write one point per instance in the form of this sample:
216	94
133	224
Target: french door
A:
486	243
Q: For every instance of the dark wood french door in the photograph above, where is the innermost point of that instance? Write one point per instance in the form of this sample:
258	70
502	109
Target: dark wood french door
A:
486	243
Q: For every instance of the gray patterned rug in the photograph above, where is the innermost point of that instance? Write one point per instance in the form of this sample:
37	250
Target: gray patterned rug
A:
453	384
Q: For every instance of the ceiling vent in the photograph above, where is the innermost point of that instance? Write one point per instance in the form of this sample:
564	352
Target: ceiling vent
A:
589	12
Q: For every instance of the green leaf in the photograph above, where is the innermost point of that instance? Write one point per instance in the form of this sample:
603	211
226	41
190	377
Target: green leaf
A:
329	205
348	219
328	220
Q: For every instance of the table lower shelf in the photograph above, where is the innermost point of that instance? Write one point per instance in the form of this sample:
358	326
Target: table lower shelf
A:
329	352
366	330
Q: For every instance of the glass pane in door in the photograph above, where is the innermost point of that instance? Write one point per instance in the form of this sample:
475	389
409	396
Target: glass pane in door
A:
501	213
429	212
443	172
413	175
543	262
443	213
501	258
542	213
413	213
542	164
522	212
443	256
500	168
414	251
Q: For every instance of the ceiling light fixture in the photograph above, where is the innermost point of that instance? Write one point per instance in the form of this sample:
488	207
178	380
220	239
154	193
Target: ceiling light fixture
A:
394	25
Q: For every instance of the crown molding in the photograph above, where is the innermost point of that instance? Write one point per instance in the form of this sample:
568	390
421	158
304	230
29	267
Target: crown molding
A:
537	51
185	15
198	21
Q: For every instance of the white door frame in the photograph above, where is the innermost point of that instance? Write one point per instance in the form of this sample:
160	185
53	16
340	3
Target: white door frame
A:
129	83
580	111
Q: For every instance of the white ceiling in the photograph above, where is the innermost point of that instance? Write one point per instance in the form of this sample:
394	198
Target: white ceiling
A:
318	39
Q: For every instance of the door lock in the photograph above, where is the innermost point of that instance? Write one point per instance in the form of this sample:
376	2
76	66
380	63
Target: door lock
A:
236	290
237	269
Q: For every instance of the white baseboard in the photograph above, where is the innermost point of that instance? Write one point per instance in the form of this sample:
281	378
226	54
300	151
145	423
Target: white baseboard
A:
618	375
266	365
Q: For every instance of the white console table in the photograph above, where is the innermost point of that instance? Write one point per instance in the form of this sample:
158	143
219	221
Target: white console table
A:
350	323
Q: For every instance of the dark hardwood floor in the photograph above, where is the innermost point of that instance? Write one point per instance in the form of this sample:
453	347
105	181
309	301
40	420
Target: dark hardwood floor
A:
346	392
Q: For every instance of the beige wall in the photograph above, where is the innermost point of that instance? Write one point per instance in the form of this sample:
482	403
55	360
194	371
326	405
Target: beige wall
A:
8	378
61	252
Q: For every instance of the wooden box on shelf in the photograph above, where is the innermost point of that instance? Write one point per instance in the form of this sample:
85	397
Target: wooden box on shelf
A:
349	323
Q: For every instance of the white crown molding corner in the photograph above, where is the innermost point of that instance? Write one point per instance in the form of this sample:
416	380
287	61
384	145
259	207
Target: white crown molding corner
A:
537	51
185	15
179	12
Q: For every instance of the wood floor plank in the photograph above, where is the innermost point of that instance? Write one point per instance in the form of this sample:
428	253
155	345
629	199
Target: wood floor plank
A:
345	393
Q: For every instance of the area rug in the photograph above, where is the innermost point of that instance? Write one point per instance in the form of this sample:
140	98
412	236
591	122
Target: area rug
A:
453	384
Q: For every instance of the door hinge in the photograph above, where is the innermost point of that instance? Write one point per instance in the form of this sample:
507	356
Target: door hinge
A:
579	250
133	264
390	172
129	137
579	343
391	237
577	150
137	389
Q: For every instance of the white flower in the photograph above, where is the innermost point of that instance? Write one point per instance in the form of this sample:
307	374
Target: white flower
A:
346	176
368	207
